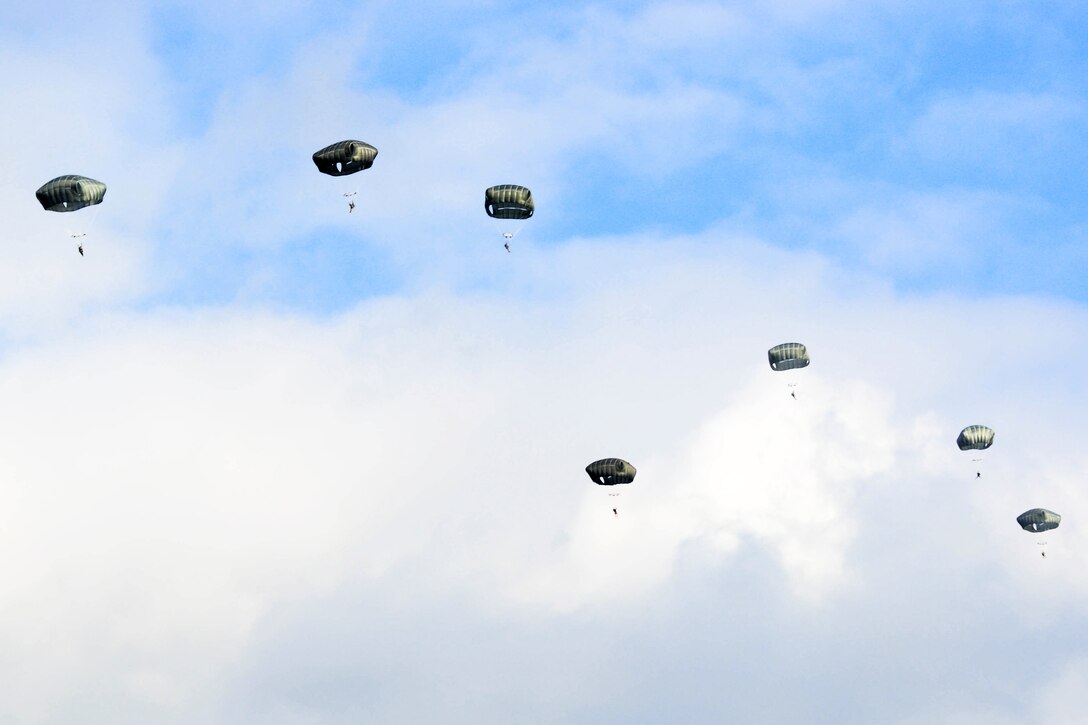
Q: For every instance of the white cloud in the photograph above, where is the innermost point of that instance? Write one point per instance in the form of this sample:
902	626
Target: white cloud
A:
220	467
995	130
915	234
767	468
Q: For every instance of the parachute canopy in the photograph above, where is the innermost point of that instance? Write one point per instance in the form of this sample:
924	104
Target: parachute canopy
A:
345	157
508	201
788	356
1038	520
70	192
975	437
610	471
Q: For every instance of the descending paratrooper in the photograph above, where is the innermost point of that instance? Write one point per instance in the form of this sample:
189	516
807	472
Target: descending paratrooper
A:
344	158
975	438
788	356
611	472
71	193
509	202
1037	521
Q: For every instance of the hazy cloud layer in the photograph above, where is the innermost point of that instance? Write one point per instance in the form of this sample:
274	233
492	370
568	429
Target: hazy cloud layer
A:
242	515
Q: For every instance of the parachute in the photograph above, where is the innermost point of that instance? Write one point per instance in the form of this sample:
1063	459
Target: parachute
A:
509	202
345	157
788	356
975	437
611	471
70	192
1038	520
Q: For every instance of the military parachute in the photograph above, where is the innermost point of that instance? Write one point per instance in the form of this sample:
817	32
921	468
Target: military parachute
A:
975	438
1037	521
611	472
344	158
788	356
70	193
509	203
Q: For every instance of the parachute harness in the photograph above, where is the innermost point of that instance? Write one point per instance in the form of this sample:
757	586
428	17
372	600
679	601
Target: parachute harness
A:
508	236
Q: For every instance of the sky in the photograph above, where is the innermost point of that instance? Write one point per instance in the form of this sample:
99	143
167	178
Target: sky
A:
263	460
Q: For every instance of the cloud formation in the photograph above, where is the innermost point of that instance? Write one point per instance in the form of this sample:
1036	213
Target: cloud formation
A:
227	475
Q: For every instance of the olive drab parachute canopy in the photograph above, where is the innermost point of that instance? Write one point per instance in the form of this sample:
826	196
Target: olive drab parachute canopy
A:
345	157
70	192
1037	520
611	471
788	356
975	437
509	201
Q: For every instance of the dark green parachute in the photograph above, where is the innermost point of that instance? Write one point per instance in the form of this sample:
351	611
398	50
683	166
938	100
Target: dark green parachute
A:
509	201
788	356
1037	520
70	192
610	471
345	157
975	437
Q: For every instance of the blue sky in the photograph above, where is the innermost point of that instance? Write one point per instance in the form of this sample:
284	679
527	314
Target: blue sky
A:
265	461
797	123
